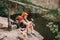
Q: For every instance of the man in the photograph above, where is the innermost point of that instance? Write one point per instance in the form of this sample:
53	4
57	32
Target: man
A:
29	23
22	25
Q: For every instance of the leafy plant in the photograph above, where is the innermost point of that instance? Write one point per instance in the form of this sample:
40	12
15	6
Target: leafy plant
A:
53	15
54	29
3	8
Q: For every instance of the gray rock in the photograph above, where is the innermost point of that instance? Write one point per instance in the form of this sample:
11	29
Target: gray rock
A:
16	35
4	23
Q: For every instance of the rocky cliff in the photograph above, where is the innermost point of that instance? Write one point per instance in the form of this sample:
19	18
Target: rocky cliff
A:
15	34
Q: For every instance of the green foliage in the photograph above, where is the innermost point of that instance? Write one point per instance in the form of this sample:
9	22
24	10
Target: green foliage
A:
58	11
54	29
3	8
53	15
58	36
20	9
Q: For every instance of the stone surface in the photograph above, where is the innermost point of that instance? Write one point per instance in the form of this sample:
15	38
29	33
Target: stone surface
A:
51	4
14	34
4	23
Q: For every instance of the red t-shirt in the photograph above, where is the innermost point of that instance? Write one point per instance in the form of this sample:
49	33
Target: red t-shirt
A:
19	18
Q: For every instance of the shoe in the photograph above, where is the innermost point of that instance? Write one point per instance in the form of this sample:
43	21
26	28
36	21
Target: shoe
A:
33	34
29	35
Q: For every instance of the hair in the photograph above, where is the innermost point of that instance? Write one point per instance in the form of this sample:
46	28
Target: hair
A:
24	14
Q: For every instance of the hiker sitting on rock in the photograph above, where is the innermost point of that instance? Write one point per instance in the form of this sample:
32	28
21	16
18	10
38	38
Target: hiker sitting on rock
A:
22	25
29	23
25	25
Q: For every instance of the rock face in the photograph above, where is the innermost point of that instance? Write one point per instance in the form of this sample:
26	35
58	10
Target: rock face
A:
16	35
51	4
4	23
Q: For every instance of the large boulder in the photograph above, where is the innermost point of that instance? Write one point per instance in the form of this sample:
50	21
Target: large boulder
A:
4	22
